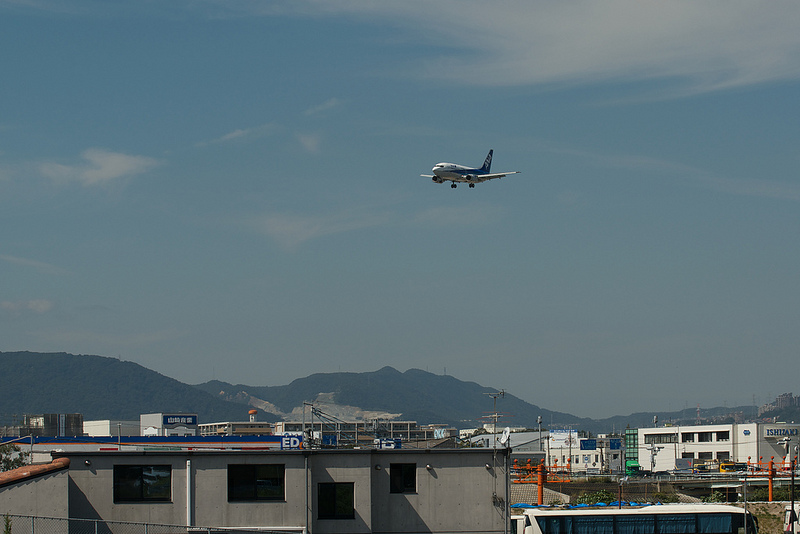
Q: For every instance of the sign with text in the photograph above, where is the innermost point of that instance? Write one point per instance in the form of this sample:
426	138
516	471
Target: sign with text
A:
179	420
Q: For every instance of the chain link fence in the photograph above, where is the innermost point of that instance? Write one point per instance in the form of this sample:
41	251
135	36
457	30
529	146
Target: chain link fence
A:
24	524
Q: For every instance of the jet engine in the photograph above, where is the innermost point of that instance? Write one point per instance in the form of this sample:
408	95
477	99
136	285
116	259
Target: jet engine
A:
438	180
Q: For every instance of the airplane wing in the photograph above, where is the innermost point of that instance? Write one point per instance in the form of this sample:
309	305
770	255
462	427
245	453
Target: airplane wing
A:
427	175
486	177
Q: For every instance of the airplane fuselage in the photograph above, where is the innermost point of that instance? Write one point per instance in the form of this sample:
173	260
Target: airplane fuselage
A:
453	172
457	173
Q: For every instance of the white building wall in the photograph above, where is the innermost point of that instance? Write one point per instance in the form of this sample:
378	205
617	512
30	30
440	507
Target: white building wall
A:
109	427
735	442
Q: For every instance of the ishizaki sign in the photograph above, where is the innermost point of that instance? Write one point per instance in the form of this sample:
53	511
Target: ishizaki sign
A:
781	431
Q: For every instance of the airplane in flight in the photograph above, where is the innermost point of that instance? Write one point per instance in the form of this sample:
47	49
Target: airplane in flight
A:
451	172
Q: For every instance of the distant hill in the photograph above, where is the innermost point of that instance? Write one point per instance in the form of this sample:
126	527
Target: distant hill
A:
100	388
414	394
107	388
428	398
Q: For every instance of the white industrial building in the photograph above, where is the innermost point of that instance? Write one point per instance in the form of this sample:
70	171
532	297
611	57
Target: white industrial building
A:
168	424
667	448
111	427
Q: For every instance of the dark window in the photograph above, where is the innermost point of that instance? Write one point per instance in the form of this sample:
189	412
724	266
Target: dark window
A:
256	482
402	478
723	435
687	437
704	437
643	524
660	438
336	500
677	524
142	483
635	524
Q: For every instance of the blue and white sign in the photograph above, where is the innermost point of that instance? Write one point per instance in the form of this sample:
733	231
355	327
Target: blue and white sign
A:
180	420
781	432
291	442
588	444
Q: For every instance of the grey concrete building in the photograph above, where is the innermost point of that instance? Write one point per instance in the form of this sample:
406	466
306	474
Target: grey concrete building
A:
323	491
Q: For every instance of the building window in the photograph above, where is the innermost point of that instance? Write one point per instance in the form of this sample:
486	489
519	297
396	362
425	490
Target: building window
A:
723	455
402	478
704	437
723	435
136	483
687	437
687	455
336	500
256	482
656	439
705	455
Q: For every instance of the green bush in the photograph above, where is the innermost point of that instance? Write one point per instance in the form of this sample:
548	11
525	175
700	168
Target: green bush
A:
596	497
762	494
665	497
716	496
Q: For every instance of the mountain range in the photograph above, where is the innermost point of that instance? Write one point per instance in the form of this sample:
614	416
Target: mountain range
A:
108	388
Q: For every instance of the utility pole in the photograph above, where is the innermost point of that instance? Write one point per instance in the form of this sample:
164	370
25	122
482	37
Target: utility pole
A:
539	421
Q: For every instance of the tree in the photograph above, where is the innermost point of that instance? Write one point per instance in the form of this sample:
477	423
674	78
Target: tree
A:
11	457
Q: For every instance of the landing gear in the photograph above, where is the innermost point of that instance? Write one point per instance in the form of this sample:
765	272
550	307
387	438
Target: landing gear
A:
453	185
472	185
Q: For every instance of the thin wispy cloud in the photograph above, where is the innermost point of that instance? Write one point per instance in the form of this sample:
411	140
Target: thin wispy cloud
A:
326	106
703	46
39	266
241	134
310	142
693	175
99	167
37	306
291	230
465	216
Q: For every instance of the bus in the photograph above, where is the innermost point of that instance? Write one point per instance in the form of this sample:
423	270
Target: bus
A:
648	519
728	466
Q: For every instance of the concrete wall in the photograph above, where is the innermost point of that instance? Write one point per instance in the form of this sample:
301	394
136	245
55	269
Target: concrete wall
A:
45	495
211	492
457	494
454	495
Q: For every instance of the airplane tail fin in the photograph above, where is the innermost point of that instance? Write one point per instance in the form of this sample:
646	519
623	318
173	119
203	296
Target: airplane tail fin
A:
487	164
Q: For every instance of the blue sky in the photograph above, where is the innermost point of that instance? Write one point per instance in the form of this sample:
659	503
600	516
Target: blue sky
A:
231	190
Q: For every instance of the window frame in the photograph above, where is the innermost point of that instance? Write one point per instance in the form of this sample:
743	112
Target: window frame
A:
341	499
402	478
238	472
122	484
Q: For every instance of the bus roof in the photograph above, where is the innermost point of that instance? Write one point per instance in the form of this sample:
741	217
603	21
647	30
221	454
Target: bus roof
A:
626	510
